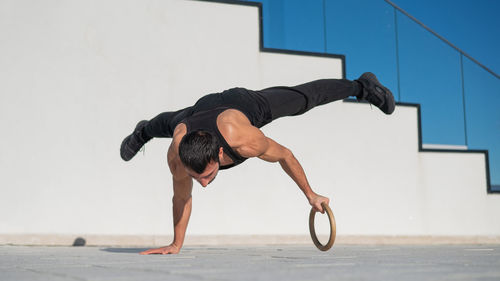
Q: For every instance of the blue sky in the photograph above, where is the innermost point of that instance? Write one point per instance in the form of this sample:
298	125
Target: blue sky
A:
473	26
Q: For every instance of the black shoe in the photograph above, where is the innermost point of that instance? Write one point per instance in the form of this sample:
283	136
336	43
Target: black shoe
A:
133	143
376	93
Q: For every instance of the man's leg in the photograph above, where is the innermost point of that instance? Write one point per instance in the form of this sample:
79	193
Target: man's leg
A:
161	126
291	101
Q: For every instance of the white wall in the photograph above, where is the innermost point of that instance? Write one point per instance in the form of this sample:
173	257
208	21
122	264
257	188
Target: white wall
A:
76	76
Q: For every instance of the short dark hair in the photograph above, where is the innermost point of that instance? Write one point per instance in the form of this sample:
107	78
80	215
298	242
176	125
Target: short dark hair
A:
197	149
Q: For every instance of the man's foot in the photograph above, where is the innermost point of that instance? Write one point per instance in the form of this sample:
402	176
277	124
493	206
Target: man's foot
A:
133	143
376	93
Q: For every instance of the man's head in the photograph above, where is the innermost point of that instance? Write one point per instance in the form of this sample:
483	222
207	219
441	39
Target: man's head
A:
199	152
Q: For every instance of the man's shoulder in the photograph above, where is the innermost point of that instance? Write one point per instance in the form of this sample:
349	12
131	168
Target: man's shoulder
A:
179	132
234	127
232	116
173	159
232	120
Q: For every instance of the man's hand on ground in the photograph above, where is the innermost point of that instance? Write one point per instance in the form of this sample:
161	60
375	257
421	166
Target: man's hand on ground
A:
316	201
170	249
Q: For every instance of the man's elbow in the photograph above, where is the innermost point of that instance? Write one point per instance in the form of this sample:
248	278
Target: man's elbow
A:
182	200
286	154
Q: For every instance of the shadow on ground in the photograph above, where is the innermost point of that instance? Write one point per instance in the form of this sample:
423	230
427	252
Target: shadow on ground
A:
124	250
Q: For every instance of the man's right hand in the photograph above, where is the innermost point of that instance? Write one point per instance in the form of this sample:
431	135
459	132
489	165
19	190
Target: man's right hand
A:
170	249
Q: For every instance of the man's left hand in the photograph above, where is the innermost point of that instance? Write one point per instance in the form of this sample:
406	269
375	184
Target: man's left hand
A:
316	201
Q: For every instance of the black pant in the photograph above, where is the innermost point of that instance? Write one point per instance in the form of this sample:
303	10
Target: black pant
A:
261	107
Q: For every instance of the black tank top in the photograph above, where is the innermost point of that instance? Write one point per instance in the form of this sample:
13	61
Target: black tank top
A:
207	121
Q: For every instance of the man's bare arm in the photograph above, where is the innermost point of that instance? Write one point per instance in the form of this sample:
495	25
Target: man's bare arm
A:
181	201
253	143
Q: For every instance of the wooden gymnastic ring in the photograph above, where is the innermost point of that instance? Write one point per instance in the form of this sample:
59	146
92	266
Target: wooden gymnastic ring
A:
333	229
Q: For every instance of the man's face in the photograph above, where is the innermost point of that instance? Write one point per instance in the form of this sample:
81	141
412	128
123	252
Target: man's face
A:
207	176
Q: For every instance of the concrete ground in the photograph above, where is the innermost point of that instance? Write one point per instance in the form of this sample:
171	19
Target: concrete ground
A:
342	262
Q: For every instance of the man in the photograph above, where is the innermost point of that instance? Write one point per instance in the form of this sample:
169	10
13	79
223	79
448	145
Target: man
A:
222	130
